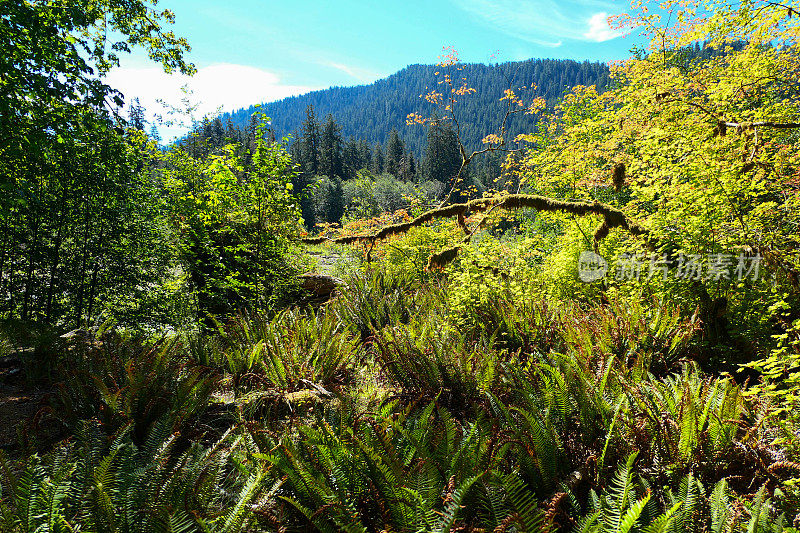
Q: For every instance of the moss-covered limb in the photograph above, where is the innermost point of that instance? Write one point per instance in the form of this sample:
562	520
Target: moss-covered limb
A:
393	229
612	217
443	258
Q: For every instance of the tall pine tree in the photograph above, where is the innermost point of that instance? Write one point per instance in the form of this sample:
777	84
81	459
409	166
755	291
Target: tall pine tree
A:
310	143
378	164
351	159
330	152
442	155
136	115
394	153
306	152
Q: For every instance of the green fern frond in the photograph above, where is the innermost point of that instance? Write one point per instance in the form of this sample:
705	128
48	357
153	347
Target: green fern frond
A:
619	496
453	506
719	507
663	523
631	516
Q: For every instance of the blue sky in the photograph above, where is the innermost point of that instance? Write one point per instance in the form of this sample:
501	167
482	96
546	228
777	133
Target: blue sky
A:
251	51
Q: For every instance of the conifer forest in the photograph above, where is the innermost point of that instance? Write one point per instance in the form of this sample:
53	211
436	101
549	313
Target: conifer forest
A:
539	295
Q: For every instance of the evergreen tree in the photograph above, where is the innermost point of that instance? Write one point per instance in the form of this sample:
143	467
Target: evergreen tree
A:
394	153
136	115
250	134
306	152
329	201
442	156
310	143
154	134
351	159
365	154
377	166
301	184
296	153
491	169
330	153
217	138
408	167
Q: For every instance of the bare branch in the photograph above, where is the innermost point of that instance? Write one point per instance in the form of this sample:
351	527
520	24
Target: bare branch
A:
764	124
722	123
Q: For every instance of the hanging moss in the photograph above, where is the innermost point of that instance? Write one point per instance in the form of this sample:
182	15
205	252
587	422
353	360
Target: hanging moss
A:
619	176
443	258
612	218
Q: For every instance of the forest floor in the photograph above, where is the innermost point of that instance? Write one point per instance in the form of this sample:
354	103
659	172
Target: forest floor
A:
20	408
325	260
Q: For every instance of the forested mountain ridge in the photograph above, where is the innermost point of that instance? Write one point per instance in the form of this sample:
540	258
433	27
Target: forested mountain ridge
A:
371	111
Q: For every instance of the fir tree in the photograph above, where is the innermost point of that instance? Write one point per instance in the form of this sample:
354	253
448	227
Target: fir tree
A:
330	153
301	184
136	115
365	154
154	134
378	163
442	156
394	153
408	167
309	143
351	159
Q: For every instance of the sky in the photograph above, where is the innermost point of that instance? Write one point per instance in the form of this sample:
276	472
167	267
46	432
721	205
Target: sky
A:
254	51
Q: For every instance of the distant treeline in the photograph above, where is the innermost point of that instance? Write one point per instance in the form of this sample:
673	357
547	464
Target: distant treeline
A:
337	175
371	112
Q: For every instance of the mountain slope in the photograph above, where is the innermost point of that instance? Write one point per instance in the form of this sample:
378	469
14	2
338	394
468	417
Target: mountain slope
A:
371	111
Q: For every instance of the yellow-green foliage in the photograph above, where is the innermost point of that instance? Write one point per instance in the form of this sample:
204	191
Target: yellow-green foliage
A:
410	253
478	278
558	276
781	372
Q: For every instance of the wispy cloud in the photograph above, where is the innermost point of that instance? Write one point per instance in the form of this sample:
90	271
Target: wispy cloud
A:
599	29
544	22
222	86
288	43
361	74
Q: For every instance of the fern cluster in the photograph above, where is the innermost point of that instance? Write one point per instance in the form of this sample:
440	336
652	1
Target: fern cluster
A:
382	411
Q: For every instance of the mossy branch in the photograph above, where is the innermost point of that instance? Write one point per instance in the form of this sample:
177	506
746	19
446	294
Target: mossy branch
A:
612	218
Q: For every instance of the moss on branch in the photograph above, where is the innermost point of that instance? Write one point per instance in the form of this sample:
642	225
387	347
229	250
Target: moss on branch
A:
612	218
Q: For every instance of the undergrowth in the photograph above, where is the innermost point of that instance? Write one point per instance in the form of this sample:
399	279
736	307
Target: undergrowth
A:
386	410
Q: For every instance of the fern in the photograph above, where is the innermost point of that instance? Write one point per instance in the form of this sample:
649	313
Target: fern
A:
631	516
453	506
619	496
664	522
720	507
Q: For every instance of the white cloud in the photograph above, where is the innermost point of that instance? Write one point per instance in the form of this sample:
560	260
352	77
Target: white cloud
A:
543	22
600	30
226	86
